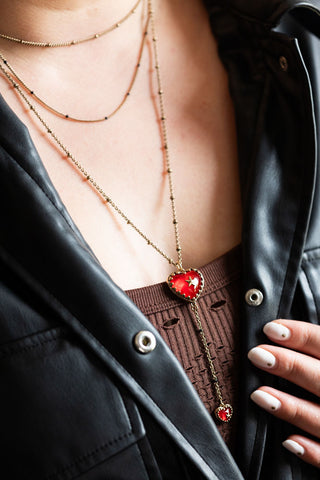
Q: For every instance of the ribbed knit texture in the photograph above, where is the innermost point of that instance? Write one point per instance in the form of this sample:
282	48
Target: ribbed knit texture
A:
218	308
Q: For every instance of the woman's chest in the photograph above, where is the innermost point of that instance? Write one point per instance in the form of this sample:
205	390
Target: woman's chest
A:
127	160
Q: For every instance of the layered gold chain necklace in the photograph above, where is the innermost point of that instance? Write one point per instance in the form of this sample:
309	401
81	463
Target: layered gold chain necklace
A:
186	283
55	111
68	116
69	43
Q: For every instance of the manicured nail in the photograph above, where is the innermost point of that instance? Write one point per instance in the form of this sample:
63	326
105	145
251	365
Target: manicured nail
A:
265	400
293	447
261	357
276	331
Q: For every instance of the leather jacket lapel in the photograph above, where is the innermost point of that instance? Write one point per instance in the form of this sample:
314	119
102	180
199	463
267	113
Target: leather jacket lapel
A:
277	156
265	12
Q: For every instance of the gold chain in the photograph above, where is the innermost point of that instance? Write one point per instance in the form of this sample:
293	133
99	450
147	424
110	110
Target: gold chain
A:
226	408
30	43
108	200
165	137
195	309
66	116
92	181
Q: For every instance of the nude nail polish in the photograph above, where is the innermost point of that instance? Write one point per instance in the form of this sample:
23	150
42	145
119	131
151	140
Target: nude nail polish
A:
261	357
265	400
275	331
293	447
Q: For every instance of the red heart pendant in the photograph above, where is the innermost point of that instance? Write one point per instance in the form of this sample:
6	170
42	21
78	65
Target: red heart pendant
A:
224	412
187	284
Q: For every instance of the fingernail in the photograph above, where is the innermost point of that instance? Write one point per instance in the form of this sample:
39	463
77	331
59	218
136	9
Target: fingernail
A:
265	400
276	331
261	357
293	447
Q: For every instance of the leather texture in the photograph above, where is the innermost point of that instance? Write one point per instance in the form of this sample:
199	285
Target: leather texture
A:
77	400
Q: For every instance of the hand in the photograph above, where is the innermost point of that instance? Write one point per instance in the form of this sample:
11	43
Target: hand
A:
303	369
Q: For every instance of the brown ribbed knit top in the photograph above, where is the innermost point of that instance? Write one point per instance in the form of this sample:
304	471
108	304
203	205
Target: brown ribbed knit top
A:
218	308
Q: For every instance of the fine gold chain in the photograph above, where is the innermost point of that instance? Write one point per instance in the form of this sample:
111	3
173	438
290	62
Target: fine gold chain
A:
92	181
30	43
66	116
224	408
108	200
195	309
164	132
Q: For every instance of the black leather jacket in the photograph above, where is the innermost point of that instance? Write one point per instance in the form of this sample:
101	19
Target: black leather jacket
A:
76	398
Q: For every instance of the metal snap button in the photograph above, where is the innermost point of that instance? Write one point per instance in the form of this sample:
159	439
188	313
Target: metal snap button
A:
145	341
254	297
283	63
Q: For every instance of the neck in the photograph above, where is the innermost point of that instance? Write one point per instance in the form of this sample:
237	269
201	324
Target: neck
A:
66	4
58	20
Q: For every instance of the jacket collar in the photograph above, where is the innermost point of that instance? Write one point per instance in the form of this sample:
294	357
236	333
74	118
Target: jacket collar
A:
39	240
265	12
278	160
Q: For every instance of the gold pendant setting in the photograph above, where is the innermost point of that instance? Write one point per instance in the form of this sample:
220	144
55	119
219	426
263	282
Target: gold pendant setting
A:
187	284
224	412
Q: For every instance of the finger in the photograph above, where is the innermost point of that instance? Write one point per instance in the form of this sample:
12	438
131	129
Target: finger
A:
297	411
305	448
293	366
301	336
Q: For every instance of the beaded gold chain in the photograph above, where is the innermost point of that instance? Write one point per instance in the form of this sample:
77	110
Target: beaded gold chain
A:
67	116
187	283
30	43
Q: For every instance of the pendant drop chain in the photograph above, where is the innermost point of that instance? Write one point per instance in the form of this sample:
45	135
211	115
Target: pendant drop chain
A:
30	43
188	283
224	411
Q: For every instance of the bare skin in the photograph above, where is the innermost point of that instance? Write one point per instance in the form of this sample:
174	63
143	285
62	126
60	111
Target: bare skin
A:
124	154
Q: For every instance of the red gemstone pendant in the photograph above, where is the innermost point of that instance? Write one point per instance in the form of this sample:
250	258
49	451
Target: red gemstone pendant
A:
224	412
187	284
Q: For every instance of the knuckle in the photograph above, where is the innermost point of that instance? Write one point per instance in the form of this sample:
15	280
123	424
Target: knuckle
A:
316	389
294	412
289	365
298	412
306	338
313	455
